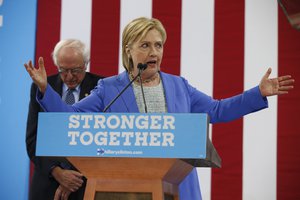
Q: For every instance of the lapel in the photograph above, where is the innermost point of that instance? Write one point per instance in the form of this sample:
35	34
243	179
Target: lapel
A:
85	87
57	84
127	97
169	89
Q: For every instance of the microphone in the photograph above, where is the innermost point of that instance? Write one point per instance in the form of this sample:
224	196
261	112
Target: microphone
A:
141	68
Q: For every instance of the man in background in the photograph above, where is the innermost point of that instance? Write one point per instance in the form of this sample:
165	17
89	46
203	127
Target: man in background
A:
55	178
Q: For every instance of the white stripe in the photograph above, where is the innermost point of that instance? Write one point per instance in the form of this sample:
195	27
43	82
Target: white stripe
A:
76	20
260	133
197	59
131	9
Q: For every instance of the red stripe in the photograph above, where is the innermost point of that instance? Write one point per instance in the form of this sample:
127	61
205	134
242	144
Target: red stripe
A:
47	35
170	16
105	37
48	31
228	81
288	156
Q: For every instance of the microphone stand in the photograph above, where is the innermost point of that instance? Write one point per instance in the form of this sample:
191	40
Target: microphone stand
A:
143	94
141	68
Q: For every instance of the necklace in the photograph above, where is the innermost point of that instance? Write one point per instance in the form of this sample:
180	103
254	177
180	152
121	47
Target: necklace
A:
131	76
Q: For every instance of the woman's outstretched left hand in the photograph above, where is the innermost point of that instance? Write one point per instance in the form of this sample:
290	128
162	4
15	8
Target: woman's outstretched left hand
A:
275	86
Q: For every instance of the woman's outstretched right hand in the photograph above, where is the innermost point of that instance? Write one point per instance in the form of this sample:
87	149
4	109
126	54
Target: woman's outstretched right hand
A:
38	75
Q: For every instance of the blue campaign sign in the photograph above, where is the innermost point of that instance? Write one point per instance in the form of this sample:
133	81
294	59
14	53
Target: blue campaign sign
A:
154	135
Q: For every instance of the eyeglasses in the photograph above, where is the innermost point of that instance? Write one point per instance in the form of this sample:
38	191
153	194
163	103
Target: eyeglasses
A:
74	71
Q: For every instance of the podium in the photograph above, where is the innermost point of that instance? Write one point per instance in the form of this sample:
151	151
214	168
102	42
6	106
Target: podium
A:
149	175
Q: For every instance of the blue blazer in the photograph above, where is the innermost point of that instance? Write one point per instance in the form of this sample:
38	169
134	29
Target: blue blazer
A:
181	97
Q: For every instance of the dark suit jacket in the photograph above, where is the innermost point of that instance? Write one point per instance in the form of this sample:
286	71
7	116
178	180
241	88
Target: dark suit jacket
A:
43	186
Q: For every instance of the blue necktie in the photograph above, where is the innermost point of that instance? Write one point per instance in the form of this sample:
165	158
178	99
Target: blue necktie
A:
70	98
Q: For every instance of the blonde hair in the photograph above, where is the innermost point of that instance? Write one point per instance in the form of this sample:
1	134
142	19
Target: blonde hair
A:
137	30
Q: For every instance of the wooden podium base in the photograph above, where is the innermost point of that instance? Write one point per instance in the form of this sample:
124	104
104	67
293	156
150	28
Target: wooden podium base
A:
149	188
155	176
123	196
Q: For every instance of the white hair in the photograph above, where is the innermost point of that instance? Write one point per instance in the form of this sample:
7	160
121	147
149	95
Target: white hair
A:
72	43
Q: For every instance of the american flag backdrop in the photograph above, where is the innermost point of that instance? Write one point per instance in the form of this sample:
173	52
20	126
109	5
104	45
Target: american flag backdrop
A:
220	47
